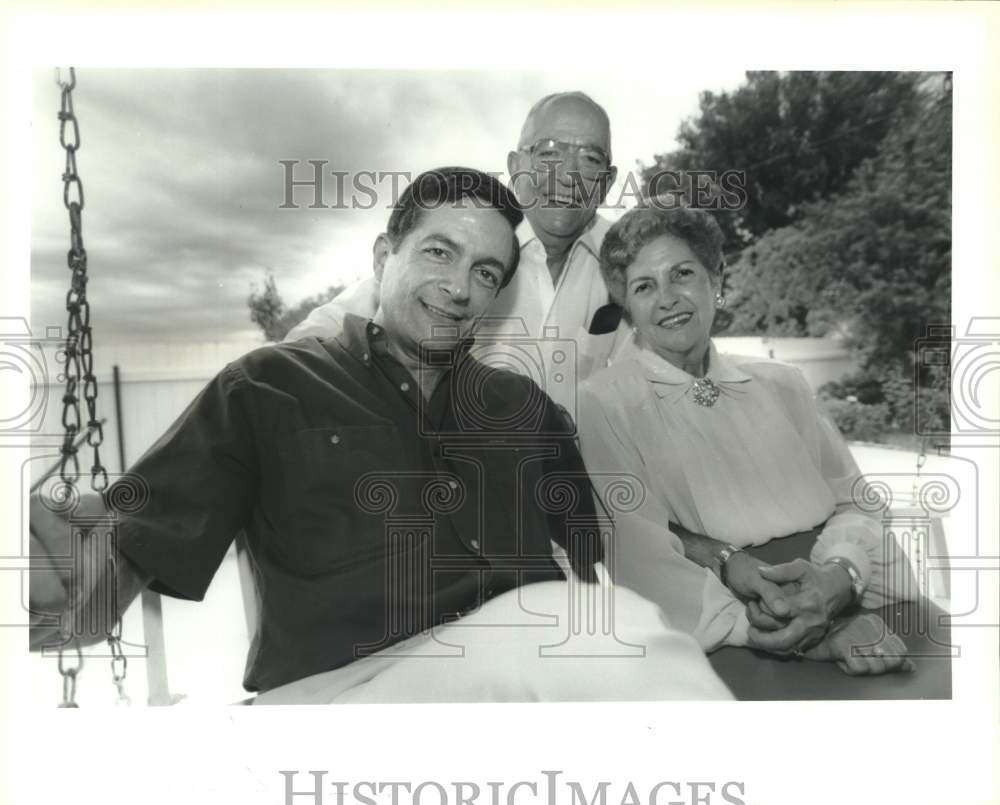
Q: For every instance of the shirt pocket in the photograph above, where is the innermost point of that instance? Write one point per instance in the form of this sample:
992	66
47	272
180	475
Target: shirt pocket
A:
323	524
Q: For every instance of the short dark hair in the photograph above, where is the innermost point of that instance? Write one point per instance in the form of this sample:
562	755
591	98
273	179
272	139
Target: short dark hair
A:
644	224
435	188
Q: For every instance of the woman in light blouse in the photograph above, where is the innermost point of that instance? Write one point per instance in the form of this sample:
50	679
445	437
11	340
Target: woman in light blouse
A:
731	453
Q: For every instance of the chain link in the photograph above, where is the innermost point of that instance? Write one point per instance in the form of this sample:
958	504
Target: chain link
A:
69	676
78	350
921	460
79	371
119	662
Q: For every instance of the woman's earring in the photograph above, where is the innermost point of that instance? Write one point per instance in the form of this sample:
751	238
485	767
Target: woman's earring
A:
720	300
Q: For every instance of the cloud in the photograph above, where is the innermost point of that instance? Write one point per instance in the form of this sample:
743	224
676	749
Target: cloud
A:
183	181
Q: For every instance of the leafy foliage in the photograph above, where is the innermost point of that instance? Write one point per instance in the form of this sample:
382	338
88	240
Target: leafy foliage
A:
847	226
798	136
862	422
873	262
268	310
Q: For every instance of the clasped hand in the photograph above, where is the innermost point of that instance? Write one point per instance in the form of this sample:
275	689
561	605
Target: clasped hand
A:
789	606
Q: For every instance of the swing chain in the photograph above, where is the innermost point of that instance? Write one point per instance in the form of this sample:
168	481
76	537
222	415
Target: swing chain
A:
921	460
79	369
79	337
119	662
119	667
69	676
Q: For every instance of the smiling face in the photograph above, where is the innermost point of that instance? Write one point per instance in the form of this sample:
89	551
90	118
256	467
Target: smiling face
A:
670	299
445	272
559	202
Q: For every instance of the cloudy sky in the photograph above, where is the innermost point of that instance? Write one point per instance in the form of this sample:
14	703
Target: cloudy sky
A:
183	181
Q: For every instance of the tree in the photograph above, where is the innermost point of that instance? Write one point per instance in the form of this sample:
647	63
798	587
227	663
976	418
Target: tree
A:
872	262
798	136
268	311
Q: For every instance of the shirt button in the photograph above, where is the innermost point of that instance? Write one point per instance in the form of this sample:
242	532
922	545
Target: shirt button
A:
365	357
474	543
404	386
335	439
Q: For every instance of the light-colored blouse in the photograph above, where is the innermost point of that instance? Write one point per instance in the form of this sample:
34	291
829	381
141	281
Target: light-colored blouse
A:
759	464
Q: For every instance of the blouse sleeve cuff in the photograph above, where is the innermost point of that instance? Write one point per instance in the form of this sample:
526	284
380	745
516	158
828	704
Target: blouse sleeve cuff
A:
739	637
723	620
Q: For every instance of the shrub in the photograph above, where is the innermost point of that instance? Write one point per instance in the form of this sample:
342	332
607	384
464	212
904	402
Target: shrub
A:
858	421
890	401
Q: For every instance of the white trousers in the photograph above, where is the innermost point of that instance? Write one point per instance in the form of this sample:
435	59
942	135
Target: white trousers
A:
552	641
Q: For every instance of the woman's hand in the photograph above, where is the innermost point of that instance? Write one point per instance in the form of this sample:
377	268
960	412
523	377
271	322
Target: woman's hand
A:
822	589
743	577
813	593
863	645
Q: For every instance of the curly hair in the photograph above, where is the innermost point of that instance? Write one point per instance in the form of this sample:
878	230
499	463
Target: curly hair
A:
644	224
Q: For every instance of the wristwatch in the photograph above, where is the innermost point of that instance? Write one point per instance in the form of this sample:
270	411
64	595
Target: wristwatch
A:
722	555
857	583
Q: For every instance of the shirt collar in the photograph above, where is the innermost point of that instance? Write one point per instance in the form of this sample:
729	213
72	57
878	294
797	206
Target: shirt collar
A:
363	338
590	238
721	368
353	337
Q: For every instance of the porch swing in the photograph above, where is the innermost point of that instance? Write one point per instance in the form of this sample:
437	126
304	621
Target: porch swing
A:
77	356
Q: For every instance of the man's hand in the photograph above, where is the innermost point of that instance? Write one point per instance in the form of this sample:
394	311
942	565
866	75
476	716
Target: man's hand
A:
744	577
51	572
863	645
56	590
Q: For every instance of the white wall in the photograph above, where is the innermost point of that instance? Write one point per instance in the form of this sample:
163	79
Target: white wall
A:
820	359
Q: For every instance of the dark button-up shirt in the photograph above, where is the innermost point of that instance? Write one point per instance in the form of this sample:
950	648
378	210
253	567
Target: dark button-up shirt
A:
370	513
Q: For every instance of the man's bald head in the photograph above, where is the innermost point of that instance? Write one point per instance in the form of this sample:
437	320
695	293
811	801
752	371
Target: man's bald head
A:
562	189
569	116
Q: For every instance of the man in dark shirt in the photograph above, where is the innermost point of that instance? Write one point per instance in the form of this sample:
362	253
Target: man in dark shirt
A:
386	480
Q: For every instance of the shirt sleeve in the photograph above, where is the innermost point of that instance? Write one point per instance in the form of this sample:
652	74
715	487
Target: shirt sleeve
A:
327	320
644	555
851	532
199	481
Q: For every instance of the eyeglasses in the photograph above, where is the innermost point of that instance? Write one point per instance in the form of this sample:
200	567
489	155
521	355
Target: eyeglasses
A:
546	155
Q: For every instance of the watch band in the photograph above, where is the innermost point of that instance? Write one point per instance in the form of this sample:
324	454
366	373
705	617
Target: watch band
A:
857	583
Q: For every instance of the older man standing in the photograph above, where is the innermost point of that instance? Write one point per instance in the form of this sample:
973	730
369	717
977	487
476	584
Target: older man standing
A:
546	322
